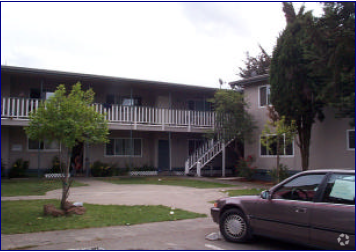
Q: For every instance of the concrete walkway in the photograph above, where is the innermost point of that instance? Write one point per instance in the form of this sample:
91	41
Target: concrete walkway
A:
99	192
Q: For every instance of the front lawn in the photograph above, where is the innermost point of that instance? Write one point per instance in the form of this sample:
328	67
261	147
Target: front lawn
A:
26	216
25	187
173	181
241	192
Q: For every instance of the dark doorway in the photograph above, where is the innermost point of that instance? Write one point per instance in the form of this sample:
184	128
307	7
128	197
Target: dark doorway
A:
77	160
163	155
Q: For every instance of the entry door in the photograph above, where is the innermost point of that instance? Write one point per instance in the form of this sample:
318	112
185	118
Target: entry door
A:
163	155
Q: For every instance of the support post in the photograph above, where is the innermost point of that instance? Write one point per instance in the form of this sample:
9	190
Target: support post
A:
199	169
186	170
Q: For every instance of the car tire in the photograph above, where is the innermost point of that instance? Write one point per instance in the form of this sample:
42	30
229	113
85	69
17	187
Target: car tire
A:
234	227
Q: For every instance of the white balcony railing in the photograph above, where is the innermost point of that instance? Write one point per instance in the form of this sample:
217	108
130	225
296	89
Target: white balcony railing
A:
19	108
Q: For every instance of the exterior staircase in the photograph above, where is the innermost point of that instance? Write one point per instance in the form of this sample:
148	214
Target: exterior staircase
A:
203	155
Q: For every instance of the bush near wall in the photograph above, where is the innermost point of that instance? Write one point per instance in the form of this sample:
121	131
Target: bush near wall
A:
19	169
100	169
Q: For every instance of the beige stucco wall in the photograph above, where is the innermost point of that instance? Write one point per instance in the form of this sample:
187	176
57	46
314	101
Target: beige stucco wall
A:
14	145
328	143
179	151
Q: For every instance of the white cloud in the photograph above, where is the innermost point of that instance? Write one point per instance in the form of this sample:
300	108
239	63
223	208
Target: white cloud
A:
190	43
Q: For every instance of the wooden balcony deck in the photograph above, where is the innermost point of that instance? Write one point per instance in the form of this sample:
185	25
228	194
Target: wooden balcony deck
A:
15	111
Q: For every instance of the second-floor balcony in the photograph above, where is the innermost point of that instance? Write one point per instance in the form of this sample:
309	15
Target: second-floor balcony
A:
16	111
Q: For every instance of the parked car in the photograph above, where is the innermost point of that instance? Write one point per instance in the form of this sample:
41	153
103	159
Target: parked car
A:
315	208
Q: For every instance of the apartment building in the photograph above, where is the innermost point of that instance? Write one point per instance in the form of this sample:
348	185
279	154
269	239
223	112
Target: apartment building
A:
151	123
332	142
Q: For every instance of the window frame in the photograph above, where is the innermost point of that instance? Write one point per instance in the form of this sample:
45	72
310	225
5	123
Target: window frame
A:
348	139
268	95
44	149
325	193
318	189
281	155
125	138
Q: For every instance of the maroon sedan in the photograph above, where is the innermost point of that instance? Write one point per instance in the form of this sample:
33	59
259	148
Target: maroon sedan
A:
315	208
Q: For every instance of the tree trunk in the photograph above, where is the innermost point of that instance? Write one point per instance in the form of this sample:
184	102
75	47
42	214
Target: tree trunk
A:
66	182
304	132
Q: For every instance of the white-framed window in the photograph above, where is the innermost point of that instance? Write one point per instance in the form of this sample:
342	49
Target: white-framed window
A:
286	147
124	100
264	95
350	139
49	94
124	147
43	145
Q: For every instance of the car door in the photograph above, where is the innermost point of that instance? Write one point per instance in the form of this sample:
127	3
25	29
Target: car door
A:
333	217
287	213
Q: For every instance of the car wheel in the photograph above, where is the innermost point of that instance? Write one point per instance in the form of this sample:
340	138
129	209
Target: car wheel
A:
233	226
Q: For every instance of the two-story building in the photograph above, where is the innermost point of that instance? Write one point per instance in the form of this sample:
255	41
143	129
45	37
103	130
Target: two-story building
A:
332	142
151	123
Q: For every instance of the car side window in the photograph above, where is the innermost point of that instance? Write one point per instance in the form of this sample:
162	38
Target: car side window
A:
301	188
340	189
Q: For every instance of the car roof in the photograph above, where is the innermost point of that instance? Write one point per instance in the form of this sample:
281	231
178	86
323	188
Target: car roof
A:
330	171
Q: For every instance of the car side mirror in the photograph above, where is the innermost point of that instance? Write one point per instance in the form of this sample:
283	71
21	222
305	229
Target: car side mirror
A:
266	195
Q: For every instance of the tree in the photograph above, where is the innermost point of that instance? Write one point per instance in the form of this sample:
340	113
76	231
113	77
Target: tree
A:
256	65
68	119
232	118
294	88
333	56
277	133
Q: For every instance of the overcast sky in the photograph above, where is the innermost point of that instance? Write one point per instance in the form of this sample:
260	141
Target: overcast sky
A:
188	43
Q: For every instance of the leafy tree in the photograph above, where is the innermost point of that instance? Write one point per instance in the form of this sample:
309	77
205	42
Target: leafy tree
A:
277	132
68	119
255	65
333	56
232	119
294	88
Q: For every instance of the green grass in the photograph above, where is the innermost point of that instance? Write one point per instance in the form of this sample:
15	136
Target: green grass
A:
26	216
241	192
173	181
27	187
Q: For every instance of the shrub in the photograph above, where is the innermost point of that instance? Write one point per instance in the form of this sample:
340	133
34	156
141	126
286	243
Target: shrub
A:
245	169
18	169
56	165
144	168
283	173
120	172
100	169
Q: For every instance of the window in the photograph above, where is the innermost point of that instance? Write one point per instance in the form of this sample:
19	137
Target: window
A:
199	105
351	139
125	101
264	96
285	146
49	94
300	188
340	189
124	147
46	145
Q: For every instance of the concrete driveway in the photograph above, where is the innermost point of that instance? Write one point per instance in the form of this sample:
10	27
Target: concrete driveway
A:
181	235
